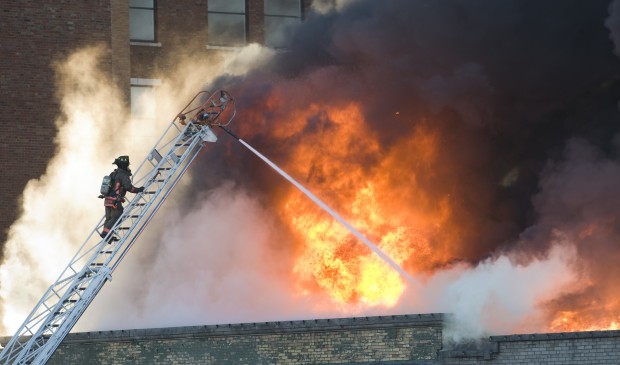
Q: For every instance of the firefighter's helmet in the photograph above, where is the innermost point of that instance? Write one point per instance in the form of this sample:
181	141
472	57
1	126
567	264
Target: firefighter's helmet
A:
121	160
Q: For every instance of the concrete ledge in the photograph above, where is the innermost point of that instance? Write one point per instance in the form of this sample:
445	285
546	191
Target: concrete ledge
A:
145	44
422	320
555	336
224	48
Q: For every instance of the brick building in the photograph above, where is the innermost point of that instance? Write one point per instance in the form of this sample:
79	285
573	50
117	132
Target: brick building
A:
139	36
405	339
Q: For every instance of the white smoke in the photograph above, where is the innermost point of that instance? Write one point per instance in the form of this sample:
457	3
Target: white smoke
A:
216	263
500	296
325	6
61	207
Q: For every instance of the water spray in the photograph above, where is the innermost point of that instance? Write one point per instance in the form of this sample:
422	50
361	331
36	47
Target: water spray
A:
325	207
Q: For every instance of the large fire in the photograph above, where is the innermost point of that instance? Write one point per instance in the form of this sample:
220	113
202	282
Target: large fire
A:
331	258
568	321
388	199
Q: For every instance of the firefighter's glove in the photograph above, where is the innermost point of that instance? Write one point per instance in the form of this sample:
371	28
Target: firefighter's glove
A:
140	189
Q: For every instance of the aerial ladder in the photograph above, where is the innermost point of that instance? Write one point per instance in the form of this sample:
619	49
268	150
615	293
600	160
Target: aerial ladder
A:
66	300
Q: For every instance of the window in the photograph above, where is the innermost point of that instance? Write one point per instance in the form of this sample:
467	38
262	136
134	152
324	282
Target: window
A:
142	20
226	23
142	98
280	17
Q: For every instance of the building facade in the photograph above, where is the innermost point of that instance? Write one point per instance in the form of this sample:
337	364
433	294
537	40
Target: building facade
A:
140	37
405	339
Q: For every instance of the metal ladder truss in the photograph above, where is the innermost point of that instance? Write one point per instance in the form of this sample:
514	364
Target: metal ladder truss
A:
66	300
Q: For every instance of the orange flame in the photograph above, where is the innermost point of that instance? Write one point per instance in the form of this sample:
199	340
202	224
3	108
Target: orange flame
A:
331	259
570	321
389	193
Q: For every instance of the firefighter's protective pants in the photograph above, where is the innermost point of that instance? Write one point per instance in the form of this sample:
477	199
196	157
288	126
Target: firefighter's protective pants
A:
111	216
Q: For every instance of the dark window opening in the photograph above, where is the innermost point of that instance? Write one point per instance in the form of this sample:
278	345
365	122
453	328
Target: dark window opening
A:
281	17
142	20
227	20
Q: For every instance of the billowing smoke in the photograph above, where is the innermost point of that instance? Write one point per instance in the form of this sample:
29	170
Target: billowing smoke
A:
476	142
61	208
494	123
55	219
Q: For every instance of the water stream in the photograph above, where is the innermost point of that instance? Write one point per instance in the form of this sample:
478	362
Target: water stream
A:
352	229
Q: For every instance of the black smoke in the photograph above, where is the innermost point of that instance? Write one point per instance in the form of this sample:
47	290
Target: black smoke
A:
509	85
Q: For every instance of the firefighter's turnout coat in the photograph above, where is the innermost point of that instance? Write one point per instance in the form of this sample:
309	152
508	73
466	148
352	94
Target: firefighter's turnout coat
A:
113	201
121	184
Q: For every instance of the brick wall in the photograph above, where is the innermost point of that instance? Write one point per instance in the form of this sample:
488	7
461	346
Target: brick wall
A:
597	347
389	340
393	339
181	29
119	34
256	33
35	34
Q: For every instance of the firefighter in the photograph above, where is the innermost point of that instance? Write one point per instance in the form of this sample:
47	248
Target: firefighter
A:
113	201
